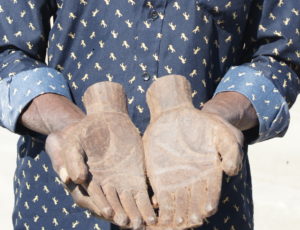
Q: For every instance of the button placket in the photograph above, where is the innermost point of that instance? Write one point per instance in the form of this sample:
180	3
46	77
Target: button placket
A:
146	76
155	9
153	14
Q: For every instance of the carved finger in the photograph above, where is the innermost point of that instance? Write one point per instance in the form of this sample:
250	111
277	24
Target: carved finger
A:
181	206
145	207
53	147
166	208
231	153
131	209
97	196
213	192
154	201
75	163
197	197
82	199
120	217
63	175
232	129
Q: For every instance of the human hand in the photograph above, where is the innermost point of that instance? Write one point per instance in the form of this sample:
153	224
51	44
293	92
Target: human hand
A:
107	146
186	152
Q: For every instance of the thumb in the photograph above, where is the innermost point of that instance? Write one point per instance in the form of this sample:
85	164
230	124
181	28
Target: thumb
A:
53	147
154	201
75	159
64	176
230	150
67	158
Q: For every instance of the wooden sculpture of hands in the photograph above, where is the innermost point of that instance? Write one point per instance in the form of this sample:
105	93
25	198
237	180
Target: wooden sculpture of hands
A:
103	153
186	152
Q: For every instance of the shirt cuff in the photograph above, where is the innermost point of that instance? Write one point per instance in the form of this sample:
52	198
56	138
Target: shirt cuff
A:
19	90
271	107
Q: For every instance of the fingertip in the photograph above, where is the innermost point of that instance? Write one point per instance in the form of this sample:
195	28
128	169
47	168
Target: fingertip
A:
154	201
63	174
121	219
146	209
179	221
96	211
136	223
151	220
232	160
108	212
195	220
230	167
210	209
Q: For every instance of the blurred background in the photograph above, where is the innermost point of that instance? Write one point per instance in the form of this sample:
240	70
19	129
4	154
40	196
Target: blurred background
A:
275	166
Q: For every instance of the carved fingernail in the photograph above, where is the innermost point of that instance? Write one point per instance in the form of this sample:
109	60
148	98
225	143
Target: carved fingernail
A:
210	210
151	220
196	219
179	220
63	174
108	212
136	223
121	219
209	207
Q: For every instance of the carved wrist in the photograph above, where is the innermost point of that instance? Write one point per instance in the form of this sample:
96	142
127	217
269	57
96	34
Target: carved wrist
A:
105	97
168	92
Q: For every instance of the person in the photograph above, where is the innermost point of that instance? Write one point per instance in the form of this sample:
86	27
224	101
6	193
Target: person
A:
240	62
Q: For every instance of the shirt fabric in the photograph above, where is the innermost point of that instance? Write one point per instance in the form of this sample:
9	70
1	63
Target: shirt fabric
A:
248	46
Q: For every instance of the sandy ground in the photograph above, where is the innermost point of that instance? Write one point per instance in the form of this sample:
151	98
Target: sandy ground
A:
275	168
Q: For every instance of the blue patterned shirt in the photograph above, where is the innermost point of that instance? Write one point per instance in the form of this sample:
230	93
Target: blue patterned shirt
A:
248	46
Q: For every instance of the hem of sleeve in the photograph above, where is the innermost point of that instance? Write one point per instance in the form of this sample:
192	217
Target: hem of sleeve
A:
271	107
19	90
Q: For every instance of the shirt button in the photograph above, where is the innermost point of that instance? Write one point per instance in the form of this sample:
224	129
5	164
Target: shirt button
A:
154	14
146	76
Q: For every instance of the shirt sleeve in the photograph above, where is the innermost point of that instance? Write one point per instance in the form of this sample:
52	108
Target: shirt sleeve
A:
24	28
268	76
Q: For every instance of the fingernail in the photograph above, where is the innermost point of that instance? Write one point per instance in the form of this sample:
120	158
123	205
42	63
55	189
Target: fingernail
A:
209	207
210	210
196	219
136	223
121	219
108	212
151	220
179	220
63	174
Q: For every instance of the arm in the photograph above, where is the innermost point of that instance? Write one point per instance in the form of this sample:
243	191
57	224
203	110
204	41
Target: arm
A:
50	113
267	76
34	96
23	73
37	97
234	108
106	145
